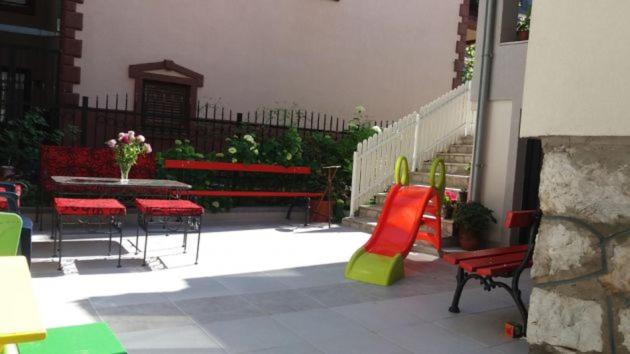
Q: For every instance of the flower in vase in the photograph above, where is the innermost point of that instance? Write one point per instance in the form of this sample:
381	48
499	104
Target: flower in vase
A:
131	134
140	138
111	143
147	148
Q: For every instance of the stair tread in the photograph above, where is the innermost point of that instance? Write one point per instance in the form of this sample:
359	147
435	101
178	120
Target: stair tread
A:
447	175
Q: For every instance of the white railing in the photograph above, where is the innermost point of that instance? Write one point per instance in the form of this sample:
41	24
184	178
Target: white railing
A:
419	136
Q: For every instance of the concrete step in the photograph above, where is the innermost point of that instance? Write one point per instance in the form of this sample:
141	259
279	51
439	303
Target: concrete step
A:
452	181
454	157
379	198
451	168
467	140
360	223
461	148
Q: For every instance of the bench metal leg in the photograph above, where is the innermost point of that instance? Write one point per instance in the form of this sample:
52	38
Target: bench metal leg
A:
462	279
307	211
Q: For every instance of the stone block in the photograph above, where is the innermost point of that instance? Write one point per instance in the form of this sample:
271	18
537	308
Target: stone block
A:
564	251
618	258
587	178
565	323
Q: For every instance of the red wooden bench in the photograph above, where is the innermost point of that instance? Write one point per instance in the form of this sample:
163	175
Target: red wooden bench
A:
250	168
502	262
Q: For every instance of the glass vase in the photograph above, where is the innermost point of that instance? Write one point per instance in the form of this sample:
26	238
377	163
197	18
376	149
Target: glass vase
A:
124	174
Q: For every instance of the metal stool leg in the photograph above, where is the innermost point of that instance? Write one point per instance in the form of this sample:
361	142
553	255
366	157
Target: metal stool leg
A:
146	242
109	248
60	234
186	225
120	246
198	240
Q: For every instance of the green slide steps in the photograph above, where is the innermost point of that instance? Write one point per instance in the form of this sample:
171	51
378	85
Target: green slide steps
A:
375	268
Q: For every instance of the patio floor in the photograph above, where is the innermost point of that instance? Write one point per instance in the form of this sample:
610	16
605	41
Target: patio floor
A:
266	288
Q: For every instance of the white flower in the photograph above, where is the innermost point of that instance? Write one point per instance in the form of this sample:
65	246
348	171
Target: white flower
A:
140	138
120	135
232	150
219	154
249	138
234	160
359	109
289	156
131	134
111	143
216	204
377	129
256	152
147	148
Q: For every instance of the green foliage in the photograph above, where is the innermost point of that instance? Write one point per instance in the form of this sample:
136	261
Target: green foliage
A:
285	150
469	62
523	20
473	217
242	149
21	139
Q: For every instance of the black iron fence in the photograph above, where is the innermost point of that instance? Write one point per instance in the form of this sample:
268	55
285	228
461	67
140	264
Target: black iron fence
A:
93	123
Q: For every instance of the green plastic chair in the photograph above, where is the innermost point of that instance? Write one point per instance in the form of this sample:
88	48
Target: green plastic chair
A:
10	229
93	338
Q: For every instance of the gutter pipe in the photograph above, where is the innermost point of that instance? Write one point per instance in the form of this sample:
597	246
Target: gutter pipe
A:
483	98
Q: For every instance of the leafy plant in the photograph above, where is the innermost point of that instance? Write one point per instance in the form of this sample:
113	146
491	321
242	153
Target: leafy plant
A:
524	19
285	150
21	138
243	149
469	63
473	217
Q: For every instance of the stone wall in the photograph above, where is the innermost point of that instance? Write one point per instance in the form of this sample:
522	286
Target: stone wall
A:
581	297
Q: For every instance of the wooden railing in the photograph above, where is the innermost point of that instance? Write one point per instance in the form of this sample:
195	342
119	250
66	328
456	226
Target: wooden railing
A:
418	136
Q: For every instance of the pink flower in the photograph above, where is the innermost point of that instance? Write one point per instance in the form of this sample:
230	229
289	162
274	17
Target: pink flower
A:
120	135
140	138
131	134
111	143
147	148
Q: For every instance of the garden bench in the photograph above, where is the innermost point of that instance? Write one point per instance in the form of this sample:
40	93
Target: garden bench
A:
502	262
249	168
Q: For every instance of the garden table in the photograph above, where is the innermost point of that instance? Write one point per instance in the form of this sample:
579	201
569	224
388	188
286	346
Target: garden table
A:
101	186
20	320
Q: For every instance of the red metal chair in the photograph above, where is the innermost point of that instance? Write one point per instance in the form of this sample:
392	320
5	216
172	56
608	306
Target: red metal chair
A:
184	215
97	212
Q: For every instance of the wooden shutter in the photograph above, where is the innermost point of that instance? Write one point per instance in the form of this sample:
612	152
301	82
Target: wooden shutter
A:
165	103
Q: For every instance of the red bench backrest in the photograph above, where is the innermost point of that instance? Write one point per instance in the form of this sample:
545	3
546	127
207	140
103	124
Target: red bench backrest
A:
240	167
87	162
520	218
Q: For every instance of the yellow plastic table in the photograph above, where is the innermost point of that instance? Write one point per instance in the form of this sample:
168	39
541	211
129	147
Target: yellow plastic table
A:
19	317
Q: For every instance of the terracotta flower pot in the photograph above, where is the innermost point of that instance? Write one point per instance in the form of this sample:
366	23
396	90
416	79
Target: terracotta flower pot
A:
468	240
522	35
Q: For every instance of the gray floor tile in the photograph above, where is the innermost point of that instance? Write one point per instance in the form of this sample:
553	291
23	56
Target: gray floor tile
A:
200	288
144	317
319	324
340	294
485	327
251	283
364	343
302	348
282	301
183	339
251	334
517	346
379	315
127	299
223	308
427	338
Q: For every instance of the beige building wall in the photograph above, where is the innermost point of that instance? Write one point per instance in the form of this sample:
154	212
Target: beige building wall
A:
390	56
577	79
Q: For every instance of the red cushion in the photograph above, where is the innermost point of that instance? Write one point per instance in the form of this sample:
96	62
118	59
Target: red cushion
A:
4	205
86	207
87	162
168	207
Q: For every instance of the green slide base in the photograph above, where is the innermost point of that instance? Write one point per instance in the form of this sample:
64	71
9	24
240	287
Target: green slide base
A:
374	268
94	338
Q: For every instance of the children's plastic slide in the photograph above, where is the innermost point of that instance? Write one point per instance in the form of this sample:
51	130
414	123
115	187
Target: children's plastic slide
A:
410	212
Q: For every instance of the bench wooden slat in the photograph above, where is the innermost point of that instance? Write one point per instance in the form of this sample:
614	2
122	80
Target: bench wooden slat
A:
455	258
471	265
238	167
250	194
499	269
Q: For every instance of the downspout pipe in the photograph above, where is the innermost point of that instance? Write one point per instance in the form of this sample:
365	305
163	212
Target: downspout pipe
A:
483	98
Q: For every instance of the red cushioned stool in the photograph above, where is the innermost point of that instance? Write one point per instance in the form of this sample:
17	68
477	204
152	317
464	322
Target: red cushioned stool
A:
92	212
173	215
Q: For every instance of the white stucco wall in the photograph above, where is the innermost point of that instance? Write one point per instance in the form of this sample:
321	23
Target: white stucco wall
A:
391	56
577	79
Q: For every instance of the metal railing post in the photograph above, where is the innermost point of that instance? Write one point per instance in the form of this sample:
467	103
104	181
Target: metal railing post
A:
84	120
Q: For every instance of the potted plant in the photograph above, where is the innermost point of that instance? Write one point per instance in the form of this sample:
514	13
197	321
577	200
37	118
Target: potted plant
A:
472	220
522	27
447	207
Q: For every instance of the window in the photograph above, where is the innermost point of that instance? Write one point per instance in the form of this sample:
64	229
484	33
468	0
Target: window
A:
14	92
24	6
165	103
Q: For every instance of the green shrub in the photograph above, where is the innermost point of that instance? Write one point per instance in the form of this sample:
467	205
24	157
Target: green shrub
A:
473	217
